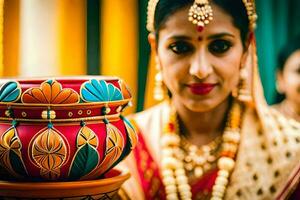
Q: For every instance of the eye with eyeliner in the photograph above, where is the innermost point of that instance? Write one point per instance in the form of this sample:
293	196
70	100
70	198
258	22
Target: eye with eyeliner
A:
181	47
219	46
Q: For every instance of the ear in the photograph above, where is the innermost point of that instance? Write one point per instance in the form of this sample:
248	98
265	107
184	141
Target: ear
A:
280	82
246	51
153	43
244	58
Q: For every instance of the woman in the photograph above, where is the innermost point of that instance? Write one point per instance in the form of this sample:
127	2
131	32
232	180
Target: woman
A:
214	138
288	79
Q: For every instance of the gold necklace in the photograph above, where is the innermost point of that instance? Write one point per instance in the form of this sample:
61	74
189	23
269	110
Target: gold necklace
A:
173	172
198	161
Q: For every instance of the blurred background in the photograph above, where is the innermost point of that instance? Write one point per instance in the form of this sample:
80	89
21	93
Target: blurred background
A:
108	37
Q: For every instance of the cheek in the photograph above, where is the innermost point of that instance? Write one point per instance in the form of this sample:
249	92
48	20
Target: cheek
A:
173	68
173	73
228	71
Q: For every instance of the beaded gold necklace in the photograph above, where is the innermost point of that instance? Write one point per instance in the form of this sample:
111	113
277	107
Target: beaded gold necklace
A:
173	172
197	161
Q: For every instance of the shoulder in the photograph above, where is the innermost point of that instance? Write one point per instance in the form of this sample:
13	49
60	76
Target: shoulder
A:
269	150
154	116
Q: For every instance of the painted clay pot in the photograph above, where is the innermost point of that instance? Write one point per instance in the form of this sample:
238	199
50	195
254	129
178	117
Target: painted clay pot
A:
105	188
63	129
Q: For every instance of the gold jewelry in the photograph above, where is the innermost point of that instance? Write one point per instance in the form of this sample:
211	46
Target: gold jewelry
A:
197	161
158	87
251	12
174	175
201	13
150	14
244	93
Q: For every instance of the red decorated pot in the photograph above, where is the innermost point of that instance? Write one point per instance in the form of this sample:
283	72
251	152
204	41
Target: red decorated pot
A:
63	129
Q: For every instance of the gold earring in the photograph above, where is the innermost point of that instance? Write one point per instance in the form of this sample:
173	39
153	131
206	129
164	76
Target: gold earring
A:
244	91
158	87
159	92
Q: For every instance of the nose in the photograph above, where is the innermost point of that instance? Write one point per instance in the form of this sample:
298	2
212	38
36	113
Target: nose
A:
200	66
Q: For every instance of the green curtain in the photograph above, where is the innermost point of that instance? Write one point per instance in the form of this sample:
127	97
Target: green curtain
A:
277	22
93	37
143	54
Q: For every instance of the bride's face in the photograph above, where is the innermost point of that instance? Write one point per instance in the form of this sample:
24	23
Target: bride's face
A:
199	68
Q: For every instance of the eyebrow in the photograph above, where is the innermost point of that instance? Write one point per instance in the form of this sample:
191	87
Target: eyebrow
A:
215	36
179	37
220	35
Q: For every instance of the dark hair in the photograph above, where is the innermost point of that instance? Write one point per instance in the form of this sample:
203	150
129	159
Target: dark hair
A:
289	48
235	8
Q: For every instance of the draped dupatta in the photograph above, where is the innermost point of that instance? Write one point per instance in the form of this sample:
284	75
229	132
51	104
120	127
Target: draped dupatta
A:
267	165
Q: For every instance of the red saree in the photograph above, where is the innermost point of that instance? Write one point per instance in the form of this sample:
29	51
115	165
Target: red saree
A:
151	181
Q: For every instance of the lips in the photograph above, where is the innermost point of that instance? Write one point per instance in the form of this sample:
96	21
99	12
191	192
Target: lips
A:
201	88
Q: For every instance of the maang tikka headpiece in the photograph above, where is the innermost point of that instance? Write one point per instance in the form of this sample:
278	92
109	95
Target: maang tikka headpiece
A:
201	13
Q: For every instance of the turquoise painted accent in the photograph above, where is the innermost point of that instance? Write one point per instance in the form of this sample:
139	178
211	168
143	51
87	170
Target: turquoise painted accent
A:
50	81
127	122
10	92
85	161
100	91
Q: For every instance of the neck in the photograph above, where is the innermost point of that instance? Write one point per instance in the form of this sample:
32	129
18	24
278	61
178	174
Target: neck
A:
291	109
202	127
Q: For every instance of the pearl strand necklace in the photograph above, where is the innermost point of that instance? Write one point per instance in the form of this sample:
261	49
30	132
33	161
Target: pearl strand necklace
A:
173	173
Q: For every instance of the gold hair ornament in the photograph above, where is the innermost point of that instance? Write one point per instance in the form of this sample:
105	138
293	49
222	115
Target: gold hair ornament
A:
150	14
251	12
201	13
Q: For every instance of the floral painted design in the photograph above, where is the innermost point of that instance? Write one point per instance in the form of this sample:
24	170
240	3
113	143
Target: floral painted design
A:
125	90
100	91
49	153
50	92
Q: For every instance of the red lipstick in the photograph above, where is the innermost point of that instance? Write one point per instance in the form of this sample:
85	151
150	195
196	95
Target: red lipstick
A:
201	88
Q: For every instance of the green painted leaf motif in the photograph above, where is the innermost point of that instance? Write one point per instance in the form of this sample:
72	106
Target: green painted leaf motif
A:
10	153
17	164
86	160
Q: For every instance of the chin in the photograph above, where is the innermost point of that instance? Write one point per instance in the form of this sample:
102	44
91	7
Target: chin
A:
204	104
201	106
